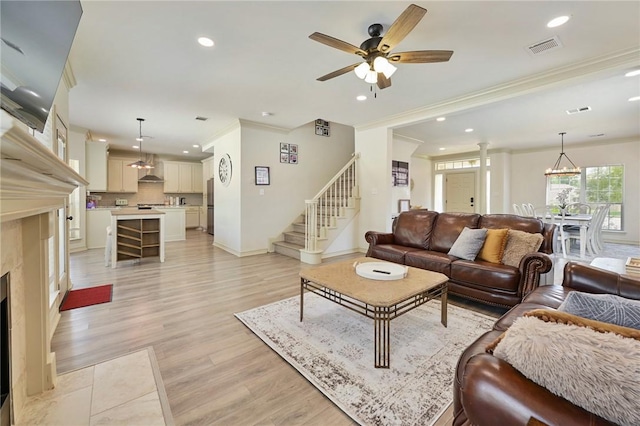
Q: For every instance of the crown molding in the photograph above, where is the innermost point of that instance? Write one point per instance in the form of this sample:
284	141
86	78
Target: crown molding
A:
557	77
259	126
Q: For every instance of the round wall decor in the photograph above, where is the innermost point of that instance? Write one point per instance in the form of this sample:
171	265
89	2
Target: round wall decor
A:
224	169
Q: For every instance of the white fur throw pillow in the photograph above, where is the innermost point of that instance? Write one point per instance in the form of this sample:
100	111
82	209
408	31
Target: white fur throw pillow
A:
599	372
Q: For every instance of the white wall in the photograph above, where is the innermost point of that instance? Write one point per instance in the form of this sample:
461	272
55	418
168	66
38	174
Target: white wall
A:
500	192
420	172
227	199
374	177
402	151
247	216
528	182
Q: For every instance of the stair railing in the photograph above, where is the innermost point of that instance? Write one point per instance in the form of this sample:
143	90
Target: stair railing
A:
329	202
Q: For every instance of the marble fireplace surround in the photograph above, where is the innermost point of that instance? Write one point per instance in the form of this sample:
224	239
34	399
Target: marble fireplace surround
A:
34	184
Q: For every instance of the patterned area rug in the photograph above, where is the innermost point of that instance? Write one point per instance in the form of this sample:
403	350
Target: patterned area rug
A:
333	349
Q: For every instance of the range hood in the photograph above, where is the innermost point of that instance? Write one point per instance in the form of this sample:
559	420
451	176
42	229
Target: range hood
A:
150	177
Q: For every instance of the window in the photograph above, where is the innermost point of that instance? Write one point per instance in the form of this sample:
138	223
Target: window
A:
460	164
595	186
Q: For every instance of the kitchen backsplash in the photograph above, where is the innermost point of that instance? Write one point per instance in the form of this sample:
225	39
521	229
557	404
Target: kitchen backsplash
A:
148	193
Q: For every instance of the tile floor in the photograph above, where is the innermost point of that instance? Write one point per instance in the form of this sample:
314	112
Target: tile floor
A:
123	391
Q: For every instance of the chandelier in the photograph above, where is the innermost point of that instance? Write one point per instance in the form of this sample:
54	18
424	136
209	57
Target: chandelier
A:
140	164
564	171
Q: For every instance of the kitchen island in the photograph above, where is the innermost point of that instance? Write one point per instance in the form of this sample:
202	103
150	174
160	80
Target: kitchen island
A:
136	234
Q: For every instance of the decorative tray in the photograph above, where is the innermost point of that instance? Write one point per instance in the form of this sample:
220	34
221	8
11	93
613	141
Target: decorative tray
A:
382	271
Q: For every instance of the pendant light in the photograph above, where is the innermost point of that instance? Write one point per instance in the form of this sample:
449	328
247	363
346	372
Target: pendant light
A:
140	164
564	171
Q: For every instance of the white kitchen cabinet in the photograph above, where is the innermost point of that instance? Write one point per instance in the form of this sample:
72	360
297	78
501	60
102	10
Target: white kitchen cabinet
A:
181	177
96	165
174	223
121	177
97	222
192	217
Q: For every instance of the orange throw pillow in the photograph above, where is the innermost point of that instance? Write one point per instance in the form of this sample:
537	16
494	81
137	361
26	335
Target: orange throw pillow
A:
494	244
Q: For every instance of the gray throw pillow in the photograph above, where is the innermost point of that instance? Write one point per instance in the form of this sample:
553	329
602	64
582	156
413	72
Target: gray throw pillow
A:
469	243
603	307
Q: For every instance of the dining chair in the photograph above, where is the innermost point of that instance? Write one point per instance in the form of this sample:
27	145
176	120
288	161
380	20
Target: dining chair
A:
528	210
594	232
517	209
560	237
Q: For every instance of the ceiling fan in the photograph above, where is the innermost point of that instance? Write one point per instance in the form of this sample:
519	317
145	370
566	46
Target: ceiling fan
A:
377	66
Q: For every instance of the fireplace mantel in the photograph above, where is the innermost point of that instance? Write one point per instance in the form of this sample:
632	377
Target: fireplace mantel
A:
33	179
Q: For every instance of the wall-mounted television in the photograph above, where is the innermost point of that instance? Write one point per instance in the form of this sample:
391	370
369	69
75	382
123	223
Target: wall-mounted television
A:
36	40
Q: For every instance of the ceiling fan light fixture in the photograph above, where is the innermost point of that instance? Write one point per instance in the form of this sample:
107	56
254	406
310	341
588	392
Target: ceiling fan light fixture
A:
381	64
362	70
372	77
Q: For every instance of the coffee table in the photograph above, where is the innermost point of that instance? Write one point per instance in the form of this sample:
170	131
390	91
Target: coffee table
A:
381	301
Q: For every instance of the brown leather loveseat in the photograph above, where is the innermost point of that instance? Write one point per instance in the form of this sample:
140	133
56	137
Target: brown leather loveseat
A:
488	391
422	239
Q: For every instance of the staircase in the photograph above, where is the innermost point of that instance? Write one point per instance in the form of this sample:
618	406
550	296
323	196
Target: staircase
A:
324	218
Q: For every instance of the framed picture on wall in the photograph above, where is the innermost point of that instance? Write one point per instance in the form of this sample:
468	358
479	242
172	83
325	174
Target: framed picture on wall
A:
284	147
293	149
404	205
284	158
293	158
262	175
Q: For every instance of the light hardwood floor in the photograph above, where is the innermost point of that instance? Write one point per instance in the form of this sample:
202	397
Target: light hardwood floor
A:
215	371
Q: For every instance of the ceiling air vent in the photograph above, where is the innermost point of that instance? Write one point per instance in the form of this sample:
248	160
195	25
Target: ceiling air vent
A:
544	46
578	110
201	118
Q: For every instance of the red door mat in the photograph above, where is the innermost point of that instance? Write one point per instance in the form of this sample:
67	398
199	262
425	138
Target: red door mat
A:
87	297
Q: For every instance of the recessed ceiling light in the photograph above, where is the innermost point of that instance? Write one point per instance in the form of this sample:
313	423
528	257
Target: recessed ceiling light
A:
469	130
196	146
441	149
135	146
632	73
441	118
185	152
635	98
556	22
102	140
361	97
267	114
205	41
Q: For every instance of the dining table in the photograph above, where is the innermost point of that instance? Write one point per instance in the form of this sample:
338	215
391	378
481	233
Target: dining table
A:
581	220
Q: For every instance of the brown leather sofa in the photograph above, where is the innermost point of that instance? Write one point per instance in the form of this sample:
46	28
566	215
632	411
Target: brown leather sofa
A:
489	391
422	239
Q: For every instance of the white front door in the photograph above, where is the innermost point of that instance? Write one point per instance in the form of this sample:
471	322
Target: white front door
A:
460	192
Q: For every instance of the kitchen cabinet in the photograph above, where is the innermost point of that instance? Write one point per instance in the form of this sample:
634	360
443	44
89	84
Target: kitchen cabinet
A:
192	215
137	234
181	177
96	165
174	223
121	177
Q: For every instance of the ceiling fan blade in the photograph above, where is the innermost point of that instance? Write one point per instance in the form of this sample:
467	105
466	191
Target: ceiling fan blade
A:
337	73
420	56
337	44
383	82
401	27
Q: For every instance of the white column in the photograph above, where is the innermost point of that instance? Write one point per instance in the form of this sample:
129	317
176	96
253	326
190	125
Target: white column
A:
481	202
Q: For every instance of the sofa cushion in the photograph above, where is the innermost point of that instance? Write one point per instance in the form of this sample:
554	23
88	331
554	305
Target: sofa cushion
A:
430	260
413	228
520	243
486	274
468	243
448	227
390	252
493	248
560	317
608	308
600	373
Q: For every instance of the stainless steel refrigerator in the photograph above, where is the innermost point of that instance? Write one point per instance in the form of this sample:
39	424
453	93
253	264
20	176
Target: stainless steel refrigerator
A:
210	206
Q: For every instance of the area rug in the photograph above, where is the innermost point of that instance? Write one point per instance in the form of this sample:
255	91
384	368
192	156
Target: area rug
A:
87	297
333	349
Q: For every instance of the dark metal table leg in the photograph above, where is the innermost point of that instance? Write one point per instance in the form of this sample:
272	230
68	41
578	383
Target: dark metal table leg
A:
443	307
381	338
